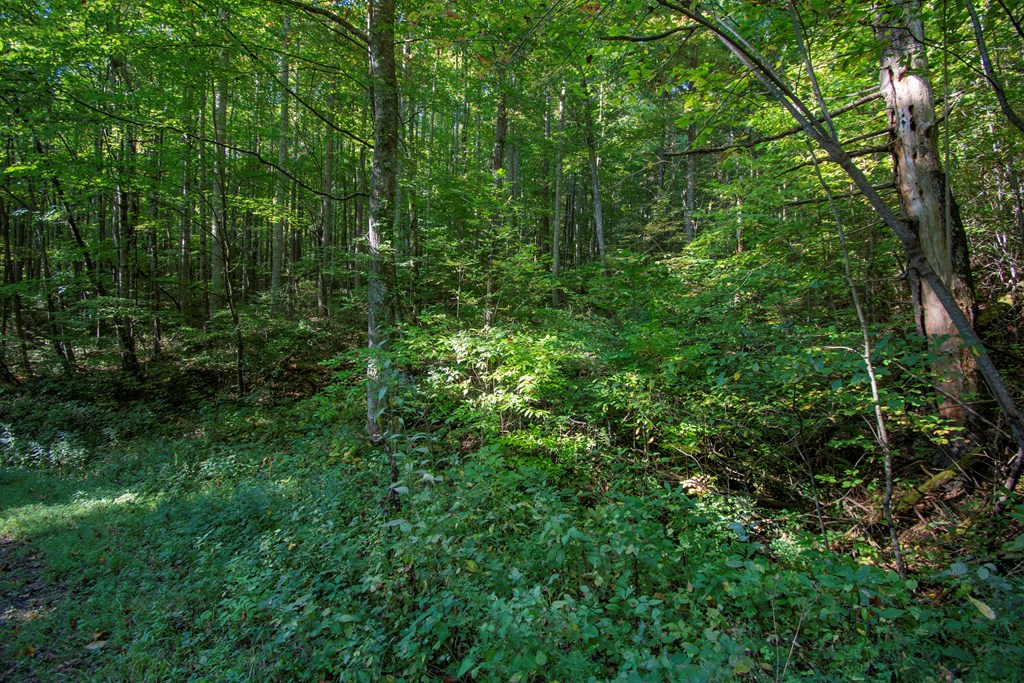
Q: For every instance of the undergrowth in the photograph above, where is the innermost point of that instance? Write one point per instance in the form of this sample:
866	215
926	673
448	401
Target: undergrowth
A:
548	523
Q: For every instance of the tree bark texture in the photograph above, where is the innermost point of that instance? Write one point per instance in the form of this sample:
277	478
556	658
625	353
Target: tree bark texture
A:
383	181
925	200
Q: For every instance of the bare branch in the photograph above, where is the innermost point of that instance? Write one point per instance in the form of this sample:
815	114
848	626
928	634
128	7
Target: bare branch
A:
856	193
348	27
990	73
777	136
862	152
657	36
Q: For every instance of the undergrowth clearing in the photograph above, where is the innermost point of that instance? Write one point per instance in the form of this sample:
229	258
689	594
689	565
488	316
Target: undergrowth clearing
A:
569	505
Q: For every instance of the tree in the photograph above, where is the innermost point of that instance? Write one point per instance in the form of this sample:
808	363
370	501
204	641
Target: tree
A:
813	125
383	184
595	179
927	202
281	195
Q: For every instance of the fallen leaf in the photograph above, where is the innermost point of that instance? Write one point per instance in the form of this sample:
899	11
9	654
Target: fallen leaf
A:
985	610
96	645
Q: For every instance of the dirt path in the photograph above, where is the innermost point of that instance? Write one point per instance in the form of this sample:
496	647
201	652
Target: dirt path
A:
24	596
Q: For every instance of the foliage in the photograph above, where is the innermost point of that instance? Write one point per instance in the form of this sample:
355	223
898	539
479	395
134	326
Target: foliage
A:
539	531
665	466
487	570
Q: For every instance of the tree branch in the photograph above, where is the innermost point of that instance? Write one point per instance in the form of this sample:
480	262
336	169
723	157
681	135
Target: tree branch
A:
847	195
295	95
862	152
990	73
352	32
656	36
777	136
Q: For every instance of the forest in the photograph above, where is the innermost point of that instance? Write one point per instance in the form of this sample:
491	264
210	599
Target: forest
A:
521	340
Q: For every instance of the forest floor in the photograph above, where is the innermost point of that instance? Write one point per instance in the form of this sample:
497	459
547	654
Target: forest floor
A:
25	595
164	531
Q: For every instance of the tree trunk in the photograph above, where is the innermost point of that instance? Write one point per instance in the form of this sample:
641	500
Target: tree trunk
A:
383	179
595	181
926	202
12	276
497	222
691	184
281	194
323	284
185	238
13	269
204	241
218	227
556	221
360	221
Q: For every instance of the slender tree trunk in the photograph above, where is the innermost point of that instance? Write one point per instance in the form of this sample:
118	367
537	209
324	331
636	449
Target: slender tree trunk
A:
218	226
12	276
281	195
53	313
543	236
125	238
691	184
360	219
556	221
383	181
204	215
497	222
6	375
323	284
572	221
154	246
740	244
595	180
13	302
185	243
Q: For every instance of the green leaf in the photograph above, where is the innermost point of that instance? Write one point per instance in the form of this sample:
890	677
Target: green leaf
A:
467	664
1016	545
985	610
744	665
